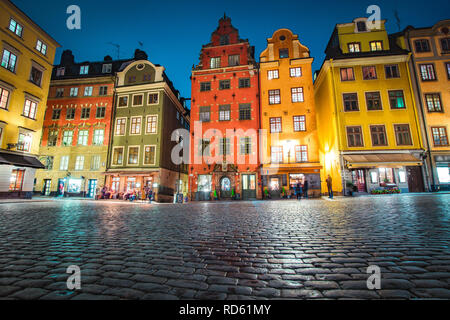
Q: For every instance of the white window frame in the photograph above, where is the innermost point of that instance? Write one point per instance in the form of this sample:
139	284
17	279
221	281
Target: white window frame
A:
79	163
143	155
132	100
138	155
74	92
146	124
123	156
84	70
273	74
64	163
95	137
118	101
88	91
148	98
139	125
115	127
84	138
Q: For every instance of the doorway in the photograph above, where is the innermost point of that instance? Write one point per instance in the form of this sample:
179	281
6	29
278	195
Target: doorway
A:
359	180
248	186
91	188
415	180
61	187
275	187
225	188
47	187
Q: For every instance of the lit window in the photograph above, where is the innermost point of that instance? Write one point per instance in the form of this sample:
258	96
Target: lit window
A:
149	155
73	92
299	123
133	155
272	74
433	101
215	62
347	74
15	27
84	69
376	46
16	180
277	154
275	125
152	125
274	96
224	113
64	163
397	99
88	91
297	95
440	138
95	162
354	47
24	142
9	60
427	72
79	163
4	98
41	47
369	73
136	124
67	138
117	156
120	126
30	109
301	153
295	72
83	136
98	137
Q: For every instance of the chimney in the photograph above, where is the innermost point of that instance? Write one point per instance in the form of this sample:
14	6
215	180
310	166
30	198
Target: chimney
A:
140	55
67	58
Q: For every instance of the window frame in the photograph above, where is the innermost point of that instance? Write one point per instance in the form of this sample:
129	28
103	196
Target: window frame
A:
433	94
396	133
297	93
113	164
428	77
154	155
31	111
376	42
135	127
360	133
390	100
378	135
440	136
366	67
137	156
344	101
390	66
346	72
122	125
137	95
155	122
274	96
276	124
372	99
299	122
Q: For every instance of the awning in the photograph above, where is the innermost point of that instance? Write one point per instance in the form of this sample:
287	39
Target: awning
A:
20	160
376	160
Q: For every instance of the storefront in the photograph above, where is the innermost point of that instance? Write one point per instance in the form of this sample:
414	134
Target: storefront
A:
442	163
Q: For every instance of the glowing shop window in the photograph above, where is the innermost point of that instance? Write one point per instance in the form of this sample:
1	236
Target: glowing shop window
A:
373	177
443	174
204	183
74	186
402	176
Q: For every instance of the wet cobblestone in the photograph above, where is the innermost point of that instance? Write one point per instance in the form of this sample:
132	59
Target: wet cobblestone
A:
314	249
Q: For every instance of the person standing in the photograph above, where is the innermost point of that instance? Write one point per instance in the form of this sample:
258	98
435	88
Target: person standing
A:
305	189
330	187
299	191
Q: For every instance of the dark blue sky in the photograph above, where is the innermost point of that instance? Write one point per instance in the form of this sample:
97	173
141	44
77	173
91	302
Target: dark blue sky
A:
174	31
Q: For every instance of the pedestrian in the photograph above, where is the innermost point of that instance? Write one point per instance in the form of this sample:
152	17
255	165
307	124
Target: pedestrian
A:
330	187
150	196
299	191
305	189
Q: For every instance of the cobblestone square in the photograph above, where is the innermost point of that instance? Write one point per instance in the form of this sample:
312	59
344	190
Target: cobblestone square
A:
313	249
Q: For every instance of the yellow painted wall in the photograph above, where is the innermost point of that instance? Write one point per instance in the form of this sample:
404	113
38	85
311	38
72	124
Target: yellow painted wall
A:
20	78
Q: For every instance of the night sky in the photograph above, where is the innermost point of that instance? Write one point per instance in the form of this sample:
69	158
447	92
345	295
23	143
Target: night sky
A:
173	32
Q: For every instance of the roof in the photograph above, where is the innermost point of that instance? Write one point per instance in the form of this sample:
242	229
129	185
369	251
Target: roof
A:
20	160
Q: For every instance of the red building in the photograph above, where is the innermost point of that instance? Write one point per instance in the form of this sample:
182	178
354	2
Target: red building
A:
225	119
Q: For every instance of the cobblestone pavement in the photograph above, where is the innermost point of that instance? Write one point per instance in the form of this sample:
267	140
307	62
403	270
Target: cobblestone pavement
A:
234	250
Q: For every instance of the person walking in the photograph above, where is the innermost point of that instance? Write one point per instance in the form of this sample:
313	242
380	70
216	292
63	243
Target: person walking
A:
150	196
330	187
305	189
299	191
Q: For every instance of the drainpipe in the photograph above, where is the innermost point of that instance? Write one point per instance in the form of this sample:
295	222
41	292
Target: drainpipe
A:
259	153
111	128
430	160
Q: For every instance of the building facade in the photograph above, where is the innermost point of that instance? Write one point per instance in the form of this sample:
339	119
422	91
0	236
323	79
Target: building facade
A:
368	124
77	126
27	54
224	159
288	116
430	65
146	113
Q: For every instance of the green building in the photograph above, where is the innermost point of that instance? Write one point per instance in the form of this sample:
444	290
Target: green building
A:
148	109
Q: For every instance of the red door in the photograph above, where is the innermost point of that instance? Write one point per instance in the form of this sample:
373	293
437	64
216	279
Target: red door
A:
359	180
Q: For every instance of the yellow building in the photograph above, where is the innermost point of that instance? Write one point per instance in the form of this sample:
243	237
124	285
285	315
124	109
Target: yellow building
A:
27	54
367	118
430	63
290	149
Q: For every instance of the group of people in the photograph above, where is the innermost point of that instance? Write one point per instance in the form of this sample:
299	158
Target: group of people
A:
129	195
301	188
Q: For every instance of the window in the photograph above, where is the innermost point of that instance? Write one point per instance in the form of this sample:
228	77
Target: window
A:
149	155
132	79
67	138
447	67
52	138
120	126
427	72
88	91
16	180
153	98
386	175
392	71
73	92
376	46
36	76
233	60
272	74
373	100
24	141
79	163
205	86
301	153
224	40
215	62
244	83
351	102
152	125
224	147
133	155
95	162
276	154
204	147
85	113
117	158
136	124
60	71
100	114
246	145
15	27
275	125
422	45
369	73
284	53
70	115
147	77
295	72
396	99
204	183
224	113
274	96
30	108
123	102
103	91
56	114
354	47
445	44
378	134
138	100
297	95
4	98
245	112
224	84
361	26
98	138
83	136
205	114
64	163
9	60
299	123
440	136
59	92
354	137
402	134
84	69
49	163
347	74
107	68
433	101
41	47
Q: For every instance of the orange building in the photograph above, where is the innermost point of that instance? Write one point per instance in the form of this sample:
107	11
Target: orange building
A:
225	119
288	115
